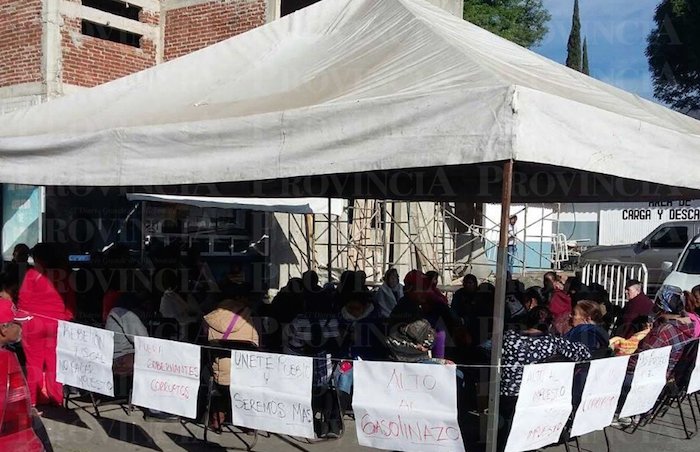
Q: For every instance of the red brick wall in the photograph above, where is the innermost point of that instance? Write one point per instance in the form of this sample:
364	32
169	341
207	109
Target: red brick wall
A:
194	27
20	41
149	17
89	61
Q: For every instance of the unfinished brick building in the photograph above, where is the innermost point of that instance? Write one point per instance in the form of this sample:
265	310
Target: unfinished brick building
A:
52	47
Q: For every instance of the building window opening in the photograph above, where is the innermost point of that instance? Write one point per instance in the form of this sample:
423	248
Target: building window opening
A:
290	6
111	34
117	8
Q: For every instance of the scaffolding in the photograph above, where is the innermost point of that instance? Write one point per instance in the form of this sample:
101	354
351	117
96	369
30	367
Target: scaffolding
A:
375	235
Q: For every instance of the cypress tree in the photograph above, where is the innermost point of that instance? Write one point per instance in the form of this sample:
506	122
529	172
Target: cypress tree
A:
573	54
584	66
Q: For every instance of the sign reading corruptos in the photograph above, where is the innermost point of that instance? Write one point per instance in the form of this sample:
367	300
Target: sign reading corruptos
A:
166	376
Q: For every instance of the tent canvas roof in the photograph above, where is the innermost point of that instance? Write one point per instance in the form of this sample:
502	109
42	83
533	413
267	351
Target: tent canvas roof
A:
347	88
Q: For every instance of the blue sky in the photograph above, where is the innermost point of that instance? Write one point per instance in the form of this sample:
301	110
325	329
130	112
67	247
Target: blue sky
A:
616	32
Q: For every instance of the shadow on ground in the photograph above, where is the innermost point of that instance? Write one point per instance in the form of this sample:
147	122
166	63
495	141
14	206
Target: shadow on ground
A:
60	414
128	433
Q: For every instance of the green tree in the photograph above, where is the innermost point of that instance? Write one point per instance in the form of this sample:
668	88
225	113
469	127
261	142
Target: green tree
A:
673	50
573	51
584	65
522	21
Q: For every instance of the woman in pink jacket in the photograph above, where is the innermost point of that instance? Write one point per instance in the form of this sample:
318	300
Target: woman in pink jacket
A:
47	295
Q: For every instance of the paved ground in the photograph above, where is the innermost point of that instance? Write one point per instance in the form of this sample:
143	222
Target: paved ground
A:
80	431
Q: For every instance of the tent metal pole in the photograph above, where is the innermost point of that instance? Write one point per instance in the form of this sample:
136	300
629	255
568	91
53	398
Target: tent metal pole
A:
499	311
329	245
310	245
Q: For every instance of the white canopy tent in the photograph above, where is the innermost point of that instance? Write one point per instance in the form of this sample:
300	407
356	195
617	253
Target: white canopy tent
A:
359	90
339	88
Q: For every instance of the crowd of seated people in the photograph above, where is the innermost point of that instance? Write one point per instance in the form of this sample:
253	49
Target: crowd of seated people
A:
405	319
339	323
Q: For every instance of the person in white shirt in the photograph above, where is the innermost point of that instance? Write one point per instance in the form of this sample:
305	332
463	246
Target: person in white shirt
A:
173	306
512	244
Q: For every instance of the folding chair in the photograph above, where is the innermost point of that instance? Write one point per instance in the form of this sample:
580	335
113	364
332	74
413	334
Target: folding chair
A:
326	401
217	391
675	393
676	390
100	400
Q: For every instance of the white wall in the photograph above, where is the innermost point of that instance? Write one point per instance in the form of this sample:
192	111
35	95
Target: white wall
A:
579	212
623	223
530	227
534	230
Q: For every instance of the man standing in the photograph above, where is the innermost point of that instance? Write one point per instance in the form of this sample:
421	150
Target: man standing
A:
512	244
637	309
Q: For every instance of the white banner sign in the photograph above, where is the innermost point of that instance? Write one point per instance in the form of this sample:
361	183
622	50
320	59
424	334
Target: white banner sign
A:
543	406
166	376
694	383
84	357
400	406
648	382
272	392
600	395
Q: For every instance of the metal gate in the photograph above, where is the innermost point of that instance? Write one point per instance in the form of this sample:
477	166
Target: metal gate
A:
613	276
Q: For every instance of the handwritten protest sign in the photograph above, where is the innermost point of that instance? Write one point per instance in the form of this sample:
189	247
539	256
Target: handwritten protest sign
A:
601	394
272	392
648	381
401	406
694	383
84	357
543	406
166	376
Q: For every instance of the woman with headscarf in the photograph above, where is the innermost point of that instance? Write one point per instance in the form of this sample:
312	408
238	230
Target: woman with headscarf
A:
672	327
389	293
435	293
418	302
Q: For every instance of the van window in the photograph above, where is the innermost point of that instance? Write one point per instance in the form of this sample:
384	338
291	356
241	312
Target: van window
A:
690	262
670	237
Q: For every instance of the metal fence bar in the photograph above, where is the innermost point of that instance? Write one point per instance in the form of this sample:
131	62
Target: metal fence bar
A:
613	277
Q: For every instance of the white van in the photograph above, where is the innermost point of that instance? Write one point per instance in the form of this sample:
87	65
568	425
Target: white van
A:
686	273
